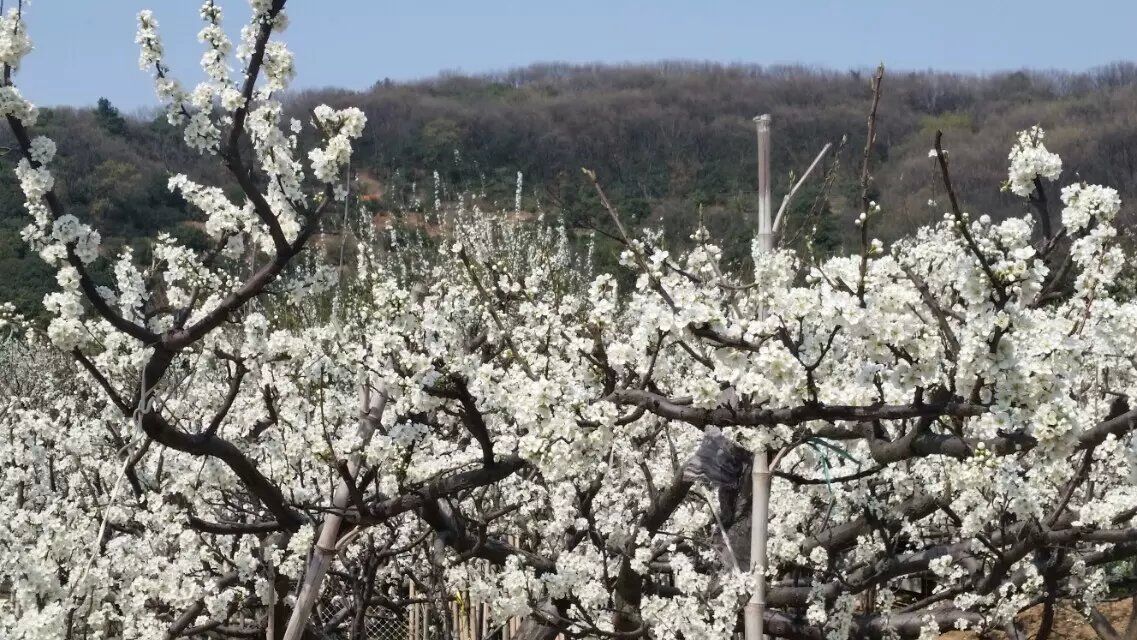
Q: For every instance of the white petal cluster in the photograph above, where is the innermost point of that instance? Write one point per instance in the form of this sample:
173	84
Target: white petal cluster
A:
279	68
151	59
14	41
413	332
214	61
607	392
13	104
35	181
148	40
1029	160
1086	202
341	127
201	134
222	216
52	238
42	150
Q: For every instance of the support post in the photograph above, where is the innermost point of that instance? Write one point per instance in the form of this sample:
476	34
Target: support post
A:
755	610
371	410
765	213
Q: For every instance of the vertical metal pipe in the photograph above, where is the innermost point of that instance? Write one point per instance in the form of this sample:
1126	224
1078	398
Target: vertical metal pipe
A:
765	205
760	475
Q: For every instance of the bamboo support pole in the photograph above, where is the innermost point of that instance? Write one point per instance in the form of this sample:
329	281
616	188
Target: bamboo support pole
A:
755	610
371	408
412	616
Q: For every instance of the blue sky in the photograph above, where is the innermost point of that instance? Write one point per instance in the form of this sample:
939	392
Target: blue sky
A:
85	48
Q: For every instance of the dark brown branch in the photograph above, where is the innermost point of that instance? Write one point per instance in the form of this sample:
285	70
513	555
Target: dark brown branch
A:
227	403
193	611
1079	476
354	494
247	291
1046	624
440	488
963	226
261	206
950	341
86	284
232	153
450	530
131	471
256	60
1041	208
843	535
1117	426
921	442
636	252
628	588
870	138
102	380
734	416
489	304
270	495
474	422
866	177
794	478
233	528
1051	290
262	425
1101	625
720	339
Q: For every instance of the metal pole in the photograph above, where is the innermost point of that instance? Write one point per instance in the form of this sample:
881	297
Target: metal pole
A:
765	210
760	474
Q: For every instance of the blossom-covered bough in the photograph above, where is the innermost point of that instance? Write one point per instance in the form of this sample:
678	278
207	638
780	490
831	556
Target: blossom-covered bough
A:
189	538
257	439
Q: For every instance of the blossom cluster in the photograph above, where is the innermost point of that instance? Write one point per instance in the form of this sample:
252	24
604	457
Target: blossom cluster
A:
484	409
1030	160
341	127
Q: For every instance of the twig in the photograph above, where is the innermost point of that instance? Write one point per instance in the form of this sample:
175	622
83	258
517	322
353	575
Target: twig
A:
102	380
227	403
640	261
866	178
962	225
493	314
789	196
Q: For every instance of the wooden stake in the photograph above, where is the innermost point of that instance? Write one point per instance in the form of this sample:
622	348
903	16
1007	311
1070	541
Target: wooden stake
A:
412	618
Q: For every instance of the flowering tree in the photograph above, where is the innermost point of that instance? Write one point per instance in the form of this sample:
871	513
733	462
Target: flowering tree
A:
241	428
186	360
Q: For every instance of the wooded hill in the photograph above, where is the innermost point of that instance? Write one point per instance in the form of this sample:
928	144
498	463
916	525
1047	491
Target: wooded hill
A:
668	141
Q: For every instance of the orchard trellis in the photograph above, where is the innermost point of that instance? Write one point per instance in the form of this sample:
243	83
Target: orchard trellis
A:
951	411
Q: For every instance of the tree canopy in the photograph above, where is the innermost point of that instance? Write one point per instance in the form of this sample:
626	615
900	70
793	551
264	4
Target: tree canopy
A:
206	439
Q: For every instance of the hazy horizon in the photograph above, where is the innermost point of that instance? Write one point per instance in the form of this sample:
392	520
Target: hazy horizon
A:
443	74
86	50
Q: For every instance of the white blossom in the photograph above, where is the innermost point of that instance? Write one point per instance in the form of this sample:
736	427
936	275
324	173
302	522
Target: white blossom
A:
1029	160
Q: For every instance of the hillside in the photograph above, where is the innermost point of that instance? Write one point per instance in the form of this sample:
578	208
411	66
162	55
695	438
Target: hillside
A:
667	141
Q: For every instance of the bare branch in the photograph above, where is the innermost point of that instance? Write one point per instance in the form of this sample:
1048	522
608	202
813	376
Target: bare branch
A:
727	416
789	196
962	225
